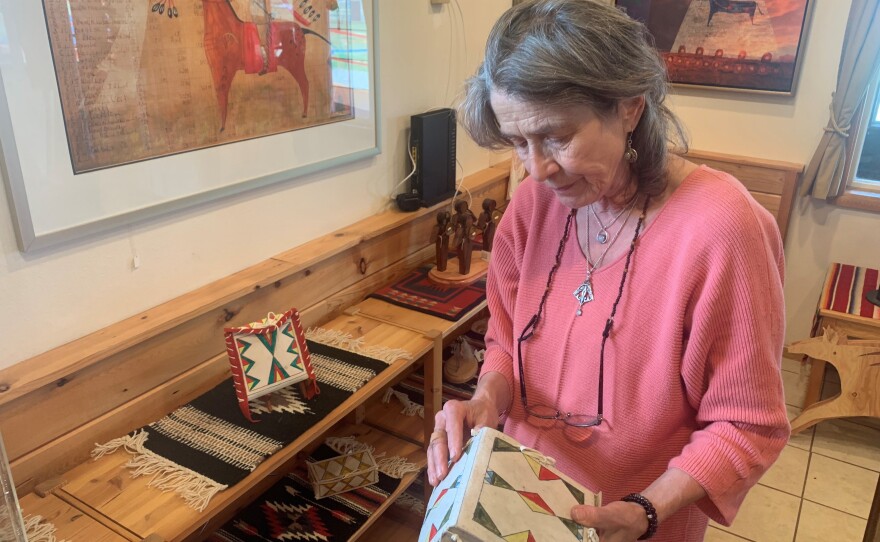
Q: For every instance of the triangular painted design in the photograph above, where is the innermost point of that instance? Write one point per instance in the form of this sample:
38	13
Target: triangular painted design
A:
493	479
576	493
525	536
536	467
443	492
576	528
503	446
545	475
482	518
536	503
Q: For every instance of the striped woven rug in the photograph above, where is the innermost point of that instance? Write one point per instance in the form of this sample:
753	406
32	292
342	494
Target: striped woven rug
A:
207	445
845	289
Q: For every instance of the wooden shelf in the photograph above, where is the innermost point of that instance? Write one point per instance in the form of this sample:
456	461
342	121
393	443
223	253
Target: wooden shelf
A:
388	418
415	320
71	523
106	487
391	446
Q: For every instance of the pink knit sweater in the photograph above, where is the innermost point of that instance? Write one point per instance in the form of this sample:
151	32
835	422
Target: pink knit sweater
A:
692	366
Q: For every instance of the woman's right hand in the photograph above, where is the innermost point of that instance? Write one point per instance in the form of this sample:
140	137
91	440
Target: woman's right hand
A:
452	428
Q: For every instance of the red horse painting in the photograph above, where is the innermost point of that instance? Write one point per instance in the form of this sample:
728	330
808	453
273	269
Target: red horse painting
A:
233	45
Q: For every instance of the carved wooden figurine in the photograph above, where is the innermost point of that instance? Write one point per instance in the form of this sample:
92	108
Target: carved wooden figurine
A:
488	222
464	236
443	230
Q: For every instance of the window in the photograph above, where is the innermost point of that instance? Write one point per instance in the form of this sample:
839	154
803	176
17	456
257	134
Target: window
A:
863	188
868	170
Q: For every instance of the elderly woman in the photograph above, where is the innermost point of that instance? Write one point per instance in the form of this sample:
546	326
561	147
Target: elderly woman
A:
636	298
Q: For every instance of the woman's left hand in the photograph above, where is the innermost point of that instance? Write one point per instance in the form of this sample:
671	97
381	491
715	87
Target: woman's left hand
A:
618	521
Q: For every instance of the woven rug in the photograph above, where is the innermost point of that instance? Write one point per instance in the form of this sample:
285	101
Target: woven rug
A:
845	289
289	511
207	445
416	291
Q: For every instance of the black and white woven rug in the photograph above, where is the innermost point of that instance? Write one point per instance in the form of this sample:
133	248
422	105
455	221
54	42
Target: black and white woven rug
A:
207	445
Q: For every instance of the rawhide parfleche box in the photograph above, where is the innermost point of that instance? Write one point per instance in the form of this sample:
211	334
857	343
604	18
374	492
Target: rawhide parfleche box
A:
502	491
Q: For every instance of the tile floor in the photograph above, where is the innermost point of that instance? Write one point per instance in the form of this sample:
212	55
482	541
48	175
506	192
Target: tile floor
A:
821	487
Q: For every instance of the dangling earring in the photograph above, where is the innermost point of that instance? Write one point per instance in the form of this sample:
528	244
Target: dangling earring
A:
630	155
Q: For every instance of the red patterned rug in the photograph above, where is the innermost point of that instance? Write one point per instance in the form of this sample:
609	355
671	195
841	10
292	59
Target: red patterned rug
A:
416	291
845	289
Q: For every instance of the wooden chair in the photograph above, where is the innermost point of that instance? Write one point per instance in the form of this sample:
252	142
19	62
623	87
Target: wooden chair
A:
858	363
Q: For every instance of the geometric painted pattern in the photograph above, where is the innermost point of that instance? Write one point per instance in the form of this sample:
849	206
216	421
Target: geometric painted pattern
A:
343	473
500	490
534	501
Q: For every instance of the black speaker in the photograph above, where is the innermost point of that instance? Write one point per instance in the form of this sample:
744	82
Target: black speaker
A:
432	144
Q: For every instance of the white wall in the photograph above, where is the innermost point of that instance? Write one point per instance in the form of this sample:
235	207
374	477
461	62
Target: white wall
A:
789	129
53	297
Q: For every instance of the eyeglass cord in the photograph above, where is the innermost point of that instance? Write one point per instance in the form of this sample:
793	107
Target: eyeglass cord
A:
610	322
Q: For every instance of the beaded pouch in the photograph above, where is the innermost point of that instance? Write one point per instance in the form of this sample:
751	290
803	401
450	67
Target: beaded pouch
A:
268	355
502	491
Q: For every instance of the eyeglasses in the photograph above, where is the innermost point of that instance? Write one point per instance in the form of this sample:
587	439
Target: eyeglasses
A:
545	412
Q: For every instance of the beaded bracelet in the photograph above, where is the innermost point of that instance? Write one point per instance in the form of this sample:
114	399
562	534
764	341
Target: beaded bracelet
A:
640	500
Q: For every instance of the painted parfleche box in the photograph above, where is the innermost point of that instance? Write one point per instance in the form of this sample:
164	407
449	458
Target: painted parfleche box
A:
268	355
343	473
502	491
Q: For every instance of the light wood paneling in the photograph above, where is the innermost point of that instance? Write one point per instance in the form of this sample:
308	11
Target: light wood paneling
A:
771	182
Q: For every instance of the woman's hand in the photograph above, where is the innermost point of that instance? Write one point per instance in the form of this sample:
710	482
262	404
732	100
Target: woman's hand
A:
618	521
452	427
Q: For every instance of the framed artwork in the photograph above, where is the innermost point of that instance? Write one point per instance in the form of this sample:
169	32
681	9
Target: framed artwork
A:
115	111
747	45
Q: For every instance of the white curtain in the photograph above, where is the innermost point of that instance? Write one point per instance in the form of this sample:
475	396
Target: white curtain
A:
859	65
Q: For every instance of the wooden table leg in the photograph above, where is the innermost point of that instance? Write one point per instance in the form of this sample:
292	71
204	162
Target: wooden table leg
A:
433	383
872	531
814	387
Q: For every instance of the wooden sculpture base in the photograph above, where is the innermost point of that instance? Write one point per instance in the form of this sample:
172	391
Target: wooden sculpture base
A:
451	277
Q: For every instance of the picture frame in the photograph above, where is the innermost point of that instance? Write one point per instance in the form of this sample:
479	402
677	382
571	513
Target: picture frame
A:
52	201
731	45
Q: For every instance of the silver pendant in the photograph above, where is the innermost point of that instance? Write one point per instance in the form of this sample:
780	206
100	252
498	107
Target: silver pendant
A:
584	294
602	236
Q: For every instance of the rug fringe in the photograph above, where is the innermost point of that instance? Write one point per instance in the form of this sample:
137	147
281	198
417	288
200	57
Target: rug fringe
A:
38	529
344	341
347	445
410	407
132	443
409	502
396	467
195	489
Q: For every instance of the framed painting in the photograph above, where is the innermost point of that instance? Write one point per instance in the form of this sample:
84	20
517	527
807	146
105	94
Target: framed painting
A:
116	111
746	45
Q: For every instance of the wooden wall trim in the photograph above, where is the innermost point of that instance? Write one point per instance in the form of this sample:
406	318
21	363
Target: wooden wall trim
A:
771	182
745	160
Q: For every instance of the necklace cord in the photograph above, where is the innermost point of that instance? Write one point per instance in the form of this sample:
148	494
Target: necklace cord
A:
608	324
533	323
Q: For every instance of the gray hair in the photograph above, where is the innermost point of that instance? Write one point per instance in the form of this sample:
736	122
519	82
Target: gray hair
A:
576	52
